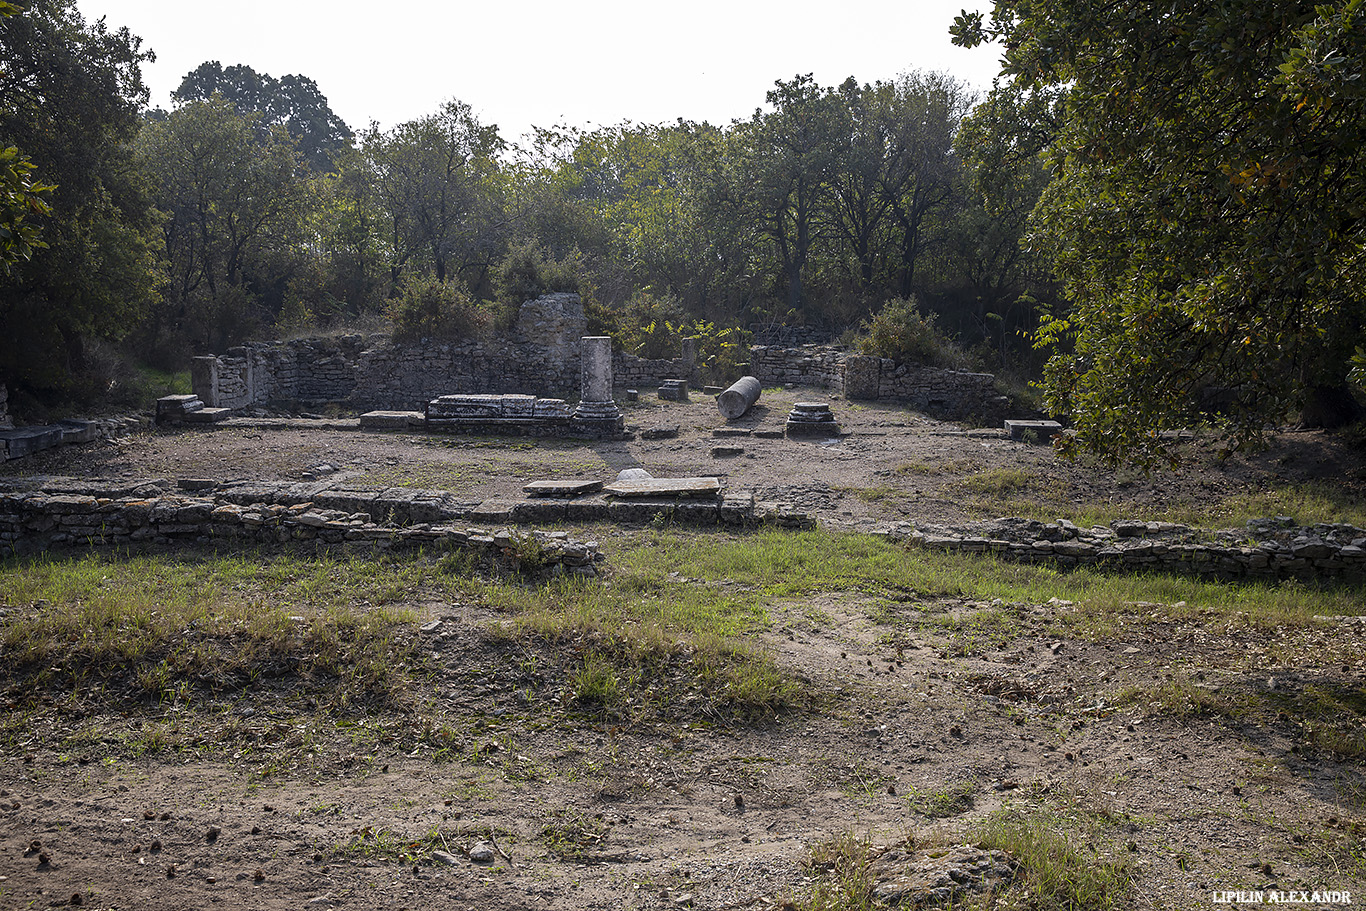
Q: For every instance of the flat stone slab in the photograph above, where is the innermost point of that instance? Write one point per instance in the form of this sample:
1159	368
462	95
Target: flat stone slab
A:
206	415
561	488
390	420
1044	430
16	444
662	487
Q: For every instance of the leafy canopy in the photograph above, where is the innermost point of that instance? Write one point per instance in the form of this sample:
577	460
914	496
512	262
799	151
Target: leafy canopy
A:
1205	211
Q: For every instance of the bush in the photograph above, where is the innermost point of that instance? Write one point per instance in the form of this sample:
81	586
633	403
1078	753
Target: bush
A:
901	332
529	271
655	328
426	308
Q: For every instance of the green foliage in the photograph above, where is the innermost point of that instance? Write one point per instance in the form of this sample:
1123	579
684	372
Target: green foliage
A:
1204	212
20	201
70	92
844	865
900	331
427	308
655	327
595	682
528	271
292	102
437	179
232	224
1057	867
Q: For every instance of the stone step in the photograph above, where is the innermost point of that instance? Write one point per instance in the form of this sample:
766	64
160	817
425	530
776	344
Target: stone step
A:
202	415
656	487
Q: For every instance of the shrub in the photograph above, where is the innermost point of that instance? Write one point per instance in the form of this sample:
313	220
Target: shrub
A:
654	327
426	308
529	271
901	332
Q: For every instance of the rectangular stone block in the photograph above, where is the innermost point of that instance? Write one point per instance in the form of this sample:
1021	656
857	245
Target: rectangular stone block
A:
519	407
566	488
1043	431
390	420
27	440
658	487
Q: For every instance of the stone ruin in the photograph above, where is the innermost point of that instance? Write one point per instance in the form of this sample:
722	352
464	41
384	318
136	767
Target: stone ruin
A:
1267	548
596	415
542	355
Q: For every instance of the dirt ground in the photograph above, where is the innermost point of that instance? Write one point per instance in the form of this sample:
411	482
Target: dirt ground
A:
917	736
889	464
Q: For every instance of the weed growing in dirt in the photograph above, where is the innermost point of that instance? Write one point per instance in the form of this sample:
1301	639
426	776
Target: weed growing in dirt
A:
572	835
1058	867
844	866
954	799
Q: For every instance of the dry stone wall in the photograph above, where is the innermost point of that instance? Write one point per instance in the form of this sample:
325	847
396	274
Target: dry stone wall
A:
946	394
40	522
540	356
71	514
1266	548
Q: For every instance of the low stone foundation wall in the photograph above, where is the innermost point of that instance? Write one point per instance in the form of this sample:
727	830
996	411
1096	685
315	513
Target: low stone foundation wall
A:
17	443
1267	549
42	522
72	515
945	394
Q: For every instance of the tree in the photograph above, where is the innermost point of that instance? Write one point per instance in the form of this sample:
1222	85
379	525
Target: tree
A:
231	205
20	198
1001	145
20	201
436	177
1205	213
792	153
293	102
70	96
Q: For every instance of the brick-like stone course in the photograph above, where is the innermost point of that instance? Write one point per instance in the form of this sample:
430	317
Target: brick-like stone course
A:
71	514
541	356
36	522
1266	548
946	394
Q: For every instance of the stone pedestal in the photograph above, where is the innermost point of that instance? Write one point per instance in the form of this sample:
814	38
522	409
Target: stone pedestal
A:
596	410
812	419
674	390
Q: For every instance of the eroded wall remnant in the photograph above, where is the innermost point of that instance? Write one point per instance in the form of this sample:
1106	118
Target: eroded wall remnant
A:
542	356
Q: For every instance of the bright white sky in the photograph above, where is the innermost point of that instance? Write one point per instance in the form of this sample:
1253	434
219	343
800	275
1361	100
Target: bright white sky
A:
520	63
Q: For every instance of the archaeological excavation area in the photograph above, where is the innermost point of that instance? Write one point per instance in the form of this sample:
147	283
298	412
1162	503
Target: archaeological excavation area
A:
536	624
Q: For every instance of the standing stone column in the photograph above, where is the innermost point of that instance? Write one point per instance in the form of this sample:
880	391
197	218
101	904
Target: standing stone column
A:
596	409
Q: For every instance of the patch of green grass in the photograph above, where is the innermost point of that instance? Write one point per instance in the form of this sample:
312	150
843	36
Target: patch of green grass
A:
954	799
386	845
573	836
1327	717
172	629
1003	483
750	571
595	682
1060	866
1181	698
975	632
1308	503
